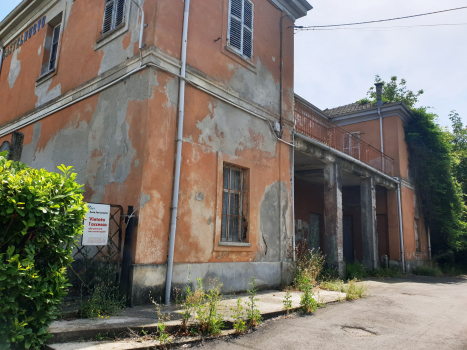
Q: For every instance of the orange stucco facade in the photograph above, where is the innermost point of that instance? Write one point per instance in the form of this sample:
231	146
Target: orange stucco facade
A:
111	110
394	145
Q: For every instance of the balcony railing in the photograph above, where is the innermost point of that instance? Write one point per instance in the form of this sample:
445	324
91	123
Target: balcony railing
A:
311	124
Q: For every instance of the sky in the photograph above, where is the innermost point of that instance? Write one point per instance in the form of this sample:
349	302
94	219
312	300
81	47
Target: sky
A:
337	67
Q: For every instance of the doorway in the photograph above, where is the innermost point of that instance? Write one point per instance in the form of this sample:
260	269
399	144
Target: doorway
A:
348	238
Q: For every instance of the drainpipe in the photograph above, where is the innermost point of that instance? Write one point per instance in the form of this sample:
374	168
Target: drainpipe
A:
178	160
429	242
401	232
293	192
142	26
1	58
280	74
381	129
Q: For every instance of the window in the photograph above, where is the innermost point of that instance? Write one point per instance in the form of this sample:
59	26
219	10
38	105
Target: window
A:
352	144
114	15
417	236
234	223
240	33
54	48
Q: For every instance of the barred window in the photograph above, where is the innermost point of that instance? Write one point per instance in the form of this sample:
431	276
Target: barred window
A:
234	225
240	32
114	15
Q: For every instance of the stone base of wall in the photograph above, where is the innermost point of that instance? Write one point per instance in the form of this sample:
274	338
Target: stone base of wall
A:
409	264
149	280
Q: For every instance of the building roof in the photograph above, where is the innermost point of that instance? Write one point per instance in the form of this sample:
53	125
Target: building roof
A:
347	109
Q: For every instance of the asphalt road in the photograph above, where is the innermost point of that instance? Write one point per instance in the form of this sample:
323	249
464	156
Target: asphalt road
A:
411	313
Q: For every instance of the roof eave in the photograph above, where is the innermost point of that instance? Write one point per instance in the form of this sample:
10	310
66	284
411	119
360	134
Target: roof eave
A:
387	110
294	8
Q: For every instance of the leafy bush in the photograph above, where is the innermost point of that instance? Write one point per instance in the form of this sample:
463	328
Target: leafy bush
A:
307	301
287	301
336	285
355	270
41	213
104	302
427	271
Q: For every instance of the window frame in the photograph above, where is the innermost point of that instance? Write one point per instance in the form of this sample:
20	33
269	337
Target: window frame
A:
56	44
229	237
243	26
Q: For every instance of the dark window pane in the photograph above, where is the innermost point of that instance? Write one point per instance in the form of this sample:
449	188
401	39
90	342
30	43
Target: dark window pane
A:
237	180
225	204
231	211
232	179
224	227
237	204
226	177
235	232
231	221
56	34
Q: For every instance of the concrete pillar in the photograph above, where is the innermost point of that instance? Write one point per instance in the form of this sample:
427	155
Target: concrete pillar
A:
334	236
369	234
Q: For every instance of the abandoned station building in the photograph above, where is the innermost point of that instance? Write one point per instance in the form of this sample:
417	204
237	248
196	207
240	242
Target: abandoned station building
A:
187	112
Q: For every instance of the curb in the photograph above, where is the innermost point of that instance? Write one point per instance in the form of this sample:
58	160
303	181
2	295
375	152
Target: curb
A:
117	330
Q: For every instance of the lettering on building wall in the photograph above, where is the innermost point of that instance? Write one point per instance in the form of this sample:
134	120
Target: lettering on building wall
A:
24	37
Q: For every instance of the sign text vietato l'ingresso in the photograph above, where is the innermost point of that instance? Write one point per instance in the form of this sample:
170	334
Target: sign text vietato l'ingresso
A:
24	37
96	224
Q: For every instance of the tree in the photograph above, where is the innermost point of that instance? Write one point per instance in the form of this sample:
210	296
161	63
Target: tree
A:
392	92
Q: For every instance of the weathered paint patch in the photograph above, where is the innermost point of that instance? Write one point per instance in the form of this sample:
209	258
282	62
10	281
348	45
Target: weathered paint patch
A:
15	68
227	129
275	202
45	94
145	198
259	87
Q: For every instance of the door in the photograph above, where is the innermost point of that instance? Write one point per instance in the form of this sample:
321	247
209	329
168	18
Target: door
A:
348	238
313	232
383	237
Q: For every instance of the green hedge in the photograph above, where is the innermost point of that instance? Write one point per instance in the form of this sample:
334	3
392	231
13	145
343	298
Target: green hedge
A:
41	213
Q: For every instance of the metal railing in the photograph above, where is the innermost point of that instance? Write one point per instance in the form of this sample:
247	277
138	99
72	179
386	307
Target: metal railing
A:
313	125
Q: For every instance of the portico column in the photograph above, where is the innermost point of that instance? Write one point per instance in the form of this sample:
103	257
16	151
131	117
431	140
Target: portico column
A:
369	233
334	236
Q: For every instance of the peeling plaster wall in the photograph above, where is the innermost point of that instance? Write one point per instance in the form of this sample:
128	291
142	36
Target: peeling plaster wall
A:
122	140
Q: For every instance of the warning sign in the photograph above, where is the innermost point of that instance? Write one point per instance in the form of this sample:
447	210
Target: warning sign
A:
96	224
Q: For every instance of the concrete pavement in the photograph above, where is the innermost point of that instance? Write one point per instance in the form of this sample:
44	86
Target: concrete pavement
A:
410	313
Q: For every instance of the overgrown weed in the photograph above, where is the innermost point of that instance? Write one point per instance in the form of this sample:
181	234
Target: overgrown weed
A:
253	314
427	271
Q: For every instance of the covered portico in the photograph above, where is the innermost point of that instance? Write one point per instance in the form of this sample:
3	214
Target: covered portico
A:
341	199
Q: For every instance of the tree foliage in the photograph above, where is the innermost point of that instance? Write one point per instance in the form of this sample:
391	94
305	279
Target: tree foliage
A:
438	168
394	92
41	213
432	169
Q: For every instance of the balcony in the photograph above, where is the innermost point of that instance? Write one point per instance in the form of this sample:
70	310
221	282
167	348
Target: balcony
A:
311	124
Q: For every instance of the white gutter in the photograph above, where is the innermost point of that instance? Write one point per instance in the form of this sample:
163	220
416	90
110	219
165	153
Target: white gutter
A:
1	58
347	157
142	26
178	160
401	231
293	193
381	129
